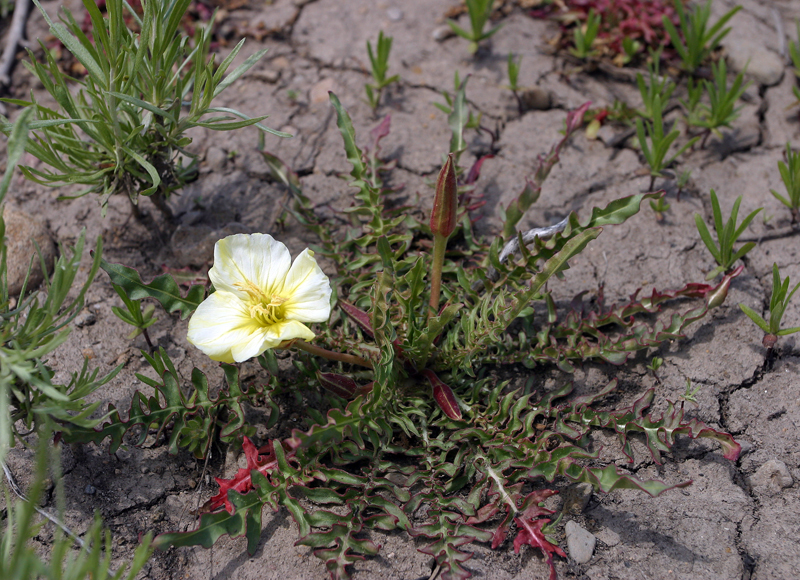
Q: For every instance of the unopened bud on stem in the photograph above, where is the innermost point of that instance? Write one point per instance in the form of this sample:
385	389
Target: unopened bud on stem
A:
443	215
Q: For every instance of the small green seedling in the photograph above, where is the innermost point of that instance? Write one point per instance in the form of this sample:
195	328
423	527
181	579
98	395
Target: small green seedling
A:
513	79
777	306
584	36
700	39
140	319
682	182
479	12
690	394
790	173
660	207
630	48
794	53
655	85
379	60
727	234
694	94
654	143
655	363
722	110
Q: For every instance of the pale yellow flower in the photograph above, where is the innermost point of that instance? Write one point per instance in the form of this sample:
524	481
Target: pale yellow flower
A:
262	299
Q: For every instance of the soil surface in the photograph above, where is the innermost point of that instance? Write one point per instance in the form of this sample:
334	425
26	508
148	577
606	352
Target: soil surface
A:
737	520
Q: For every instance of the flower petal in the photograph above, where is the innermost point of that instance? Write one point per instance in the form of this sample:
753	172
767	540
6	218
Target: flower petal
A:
307	290
221	323
270	337
243	260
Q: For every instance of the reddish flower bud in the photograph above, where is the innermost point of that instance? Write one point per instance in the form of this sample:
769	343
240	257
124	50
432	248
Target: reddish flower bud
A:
443	395
443	215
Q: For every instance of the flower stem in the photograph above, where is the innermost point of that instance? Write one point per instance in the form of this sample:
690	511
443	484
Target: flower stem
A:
331	355
439	246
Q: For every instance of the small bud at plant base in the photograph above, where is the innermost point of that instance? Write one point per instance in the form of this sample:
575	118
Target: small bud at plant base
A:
769	341
443	215
718	295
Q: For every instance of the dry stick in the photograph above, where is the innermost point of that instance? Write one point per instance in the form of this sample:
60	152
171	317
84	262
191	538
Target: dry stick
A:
331	355
513	245
12	483
15	34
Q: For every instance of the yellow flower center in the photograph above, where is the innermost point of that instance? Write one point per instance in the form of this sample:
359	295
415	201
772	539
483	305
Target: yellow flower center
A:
264	308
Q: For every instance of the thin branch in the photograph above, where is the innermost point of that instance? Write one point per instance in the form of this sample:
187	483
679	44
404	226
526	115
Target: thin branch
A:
512	246
15	35
12	483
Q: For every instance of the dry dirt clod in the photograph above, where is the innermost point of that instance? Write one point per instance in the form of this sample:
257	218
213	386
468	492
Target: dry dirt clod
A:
23	233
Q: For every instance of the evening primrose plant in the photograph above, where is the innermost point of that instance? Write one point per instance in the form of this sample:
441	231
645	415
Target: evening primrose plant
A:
394	346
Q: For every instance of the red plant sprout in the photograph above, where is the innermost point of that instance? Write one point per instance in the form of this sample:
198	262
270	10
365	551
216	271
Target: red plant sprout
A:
637	20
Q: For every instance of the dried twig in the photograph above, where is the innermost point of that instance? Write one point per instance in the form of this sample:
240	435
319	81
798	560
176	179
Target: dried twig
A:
512	246
15	35
12	483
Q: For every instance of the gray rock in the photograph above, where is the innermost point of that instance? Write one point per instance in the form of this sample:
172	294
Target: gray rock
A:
215	159
442	33
580	543
22	230
772	475
535	99
763	65
576	497
85	318
394	14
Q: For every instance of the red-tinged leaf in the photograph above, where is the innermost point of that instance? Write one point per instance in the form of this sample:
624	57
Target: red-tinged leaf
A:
340	385
381	131
530	533
361	318
475	170
575	118
443	395
717	296
242	482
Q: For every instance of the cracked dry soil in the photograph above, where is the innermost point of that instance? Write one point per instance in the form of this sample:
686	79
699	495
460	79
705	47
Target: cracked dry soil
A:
737	520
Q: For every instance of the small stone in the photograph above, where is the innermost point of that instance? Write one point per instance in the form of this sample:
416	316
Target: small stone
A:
268	76
144	469
88	353
191	483
90	490
85	318
580	543
22	230
576	497
608	537
535	99
772	475
319	92
216	158
763	65
746	446
394	14
442	33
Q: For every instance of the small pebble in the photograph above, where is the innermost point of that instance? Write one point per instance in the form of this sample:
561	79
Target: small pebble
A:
442	33
580	543
88	353
394	14
89	490
535	99
191	483
216	158
85	318
772	475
